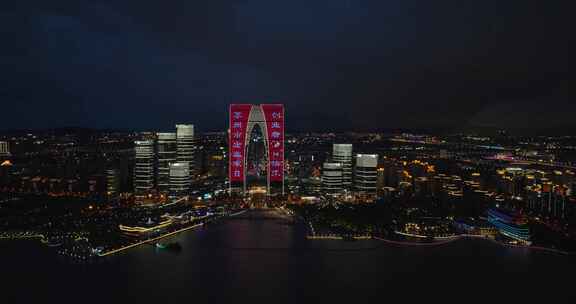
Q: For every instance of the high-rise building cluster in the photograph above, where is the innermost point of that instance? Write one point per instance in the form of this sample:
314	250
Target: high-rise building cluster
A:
546	193
165	163
346	173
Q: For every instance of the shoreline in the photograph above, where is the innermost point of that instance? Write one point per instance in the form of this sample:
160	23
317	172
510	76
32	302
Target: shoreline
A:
446	240
461	237
115	251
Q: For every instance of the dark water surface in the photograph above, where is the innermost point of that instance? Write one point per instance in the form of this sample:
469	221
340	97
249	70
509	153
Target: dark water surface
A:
256	261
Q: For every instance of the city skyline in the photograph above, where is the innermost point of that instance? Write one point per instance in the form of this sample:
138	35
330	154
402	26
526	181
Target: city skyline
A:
260	151
113	201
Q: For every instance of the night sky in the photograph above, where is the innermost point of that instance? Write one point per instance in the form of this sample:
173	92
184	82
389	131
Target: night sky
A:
333	63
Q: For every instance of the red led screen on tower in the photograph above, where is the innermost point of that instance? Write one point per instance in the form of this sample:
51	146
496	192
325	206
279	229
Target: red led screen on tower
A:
239	114
274	115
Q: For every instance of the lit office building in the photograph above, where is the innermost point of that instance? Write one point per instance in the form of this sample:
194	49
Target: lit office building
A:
571	182
509	224
4	148
243	120
548	199
380	181
166	154
6	171
186	146
179	179
112	182
332	178
342	153
215	163
143	167
366	174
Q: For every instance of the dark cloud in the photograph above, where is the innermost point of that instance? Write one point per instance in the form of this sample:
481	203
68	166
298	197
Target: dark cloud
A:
354	64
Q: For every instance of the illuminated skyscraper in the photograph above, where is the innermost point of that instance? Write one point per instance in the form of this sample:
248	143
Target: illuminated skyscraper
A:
112	182
4	148
165	155
243	119
186	146
179	179
366	174
143	167
380	181
342	153
332	178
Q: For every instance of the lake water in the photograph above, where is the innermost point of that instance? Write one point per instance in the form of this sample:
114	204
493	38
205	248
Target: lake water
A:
256	261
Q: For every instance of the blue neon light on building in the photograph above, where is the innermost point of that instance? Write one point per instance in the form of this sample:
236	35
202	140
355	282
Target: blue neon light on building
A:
506	225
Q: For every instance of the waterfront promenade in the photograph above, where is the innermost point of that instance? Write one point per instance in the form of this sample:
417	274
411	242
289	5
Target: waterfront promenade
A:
147	241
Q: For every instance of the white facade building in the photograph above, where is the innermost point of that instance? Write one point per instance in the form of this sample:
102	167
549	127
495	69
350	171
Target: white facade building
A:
332	178
186	146
4	148
366	174
342	153
179	179
144	166
165	155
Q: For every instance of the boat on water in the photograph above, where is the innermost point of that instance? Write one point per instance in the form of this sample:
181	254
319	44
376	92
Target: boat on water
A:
175	246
